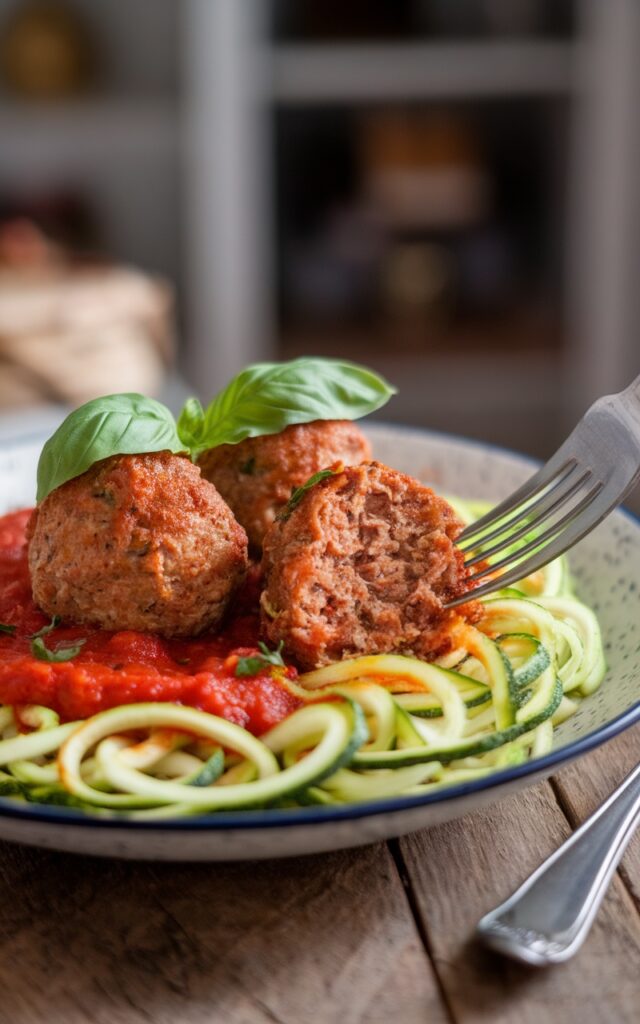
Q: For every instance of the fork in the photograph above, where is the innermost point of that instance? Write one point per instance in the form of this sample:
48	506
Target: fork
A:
576	489
548	918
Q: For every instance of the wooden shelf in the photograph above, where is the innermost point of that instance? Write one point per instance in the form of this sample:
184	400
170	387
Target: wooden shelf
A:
504	333
515	379
492	395
85	131
340	73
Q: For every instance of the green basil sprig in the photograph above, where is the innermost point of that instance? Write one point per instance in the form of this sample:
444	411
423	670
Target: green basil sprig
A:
127	424
7	630
299	492
267	397
65	652
263	399
253	664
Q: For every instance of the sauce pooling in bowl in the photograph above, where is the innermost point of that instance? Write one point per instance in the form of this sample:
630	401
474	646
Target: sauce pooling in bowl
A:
126	667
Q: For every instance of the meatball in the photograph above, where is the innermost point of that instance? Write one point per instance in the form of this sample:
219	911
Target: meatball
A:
137	542
256	476
363	565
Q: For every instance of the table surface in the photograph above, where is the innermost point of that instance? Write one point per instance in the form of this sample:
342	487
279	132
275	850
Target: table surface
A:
379	934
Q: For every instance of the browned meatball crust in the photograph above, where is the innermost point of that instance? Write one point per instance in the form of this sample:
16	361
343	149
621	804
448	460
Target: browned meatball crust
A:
363	565
137	542
256	476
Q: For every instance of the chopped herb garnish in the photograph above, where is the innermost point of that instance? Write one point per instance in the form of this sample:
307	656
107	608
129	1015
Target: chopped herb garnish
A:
248	467
253	664
63	653
298	494
55	622
7	630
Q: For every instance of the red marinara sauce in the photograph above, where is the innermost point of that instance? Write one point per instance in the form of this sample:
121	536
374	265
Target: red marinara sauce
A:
127	667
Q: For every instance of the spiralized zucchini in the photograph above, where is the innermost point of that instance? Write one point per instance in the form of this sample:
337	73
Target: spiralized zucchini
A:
371	727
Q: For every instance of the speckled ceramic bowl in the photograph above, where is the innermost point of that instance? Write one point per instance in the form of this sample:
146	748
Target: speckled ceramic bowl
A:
606	567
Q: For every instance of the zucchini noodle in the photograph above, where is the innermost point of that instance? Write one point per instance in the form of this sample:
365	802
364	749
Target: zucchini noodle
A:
370	727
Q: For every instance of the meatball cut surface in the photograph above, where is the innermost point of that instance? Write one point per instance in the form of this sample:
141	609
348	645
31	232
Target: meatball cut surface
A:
137	542
256	476
363	565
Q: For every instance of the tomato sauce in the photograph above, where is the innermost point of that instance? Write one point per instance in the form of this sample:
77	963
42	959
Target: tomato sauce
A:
127	667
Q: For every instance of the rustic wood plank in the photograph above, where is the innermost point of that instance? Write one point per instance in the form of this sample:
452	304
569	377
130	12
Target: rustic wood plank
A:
582	786
319	939
460	870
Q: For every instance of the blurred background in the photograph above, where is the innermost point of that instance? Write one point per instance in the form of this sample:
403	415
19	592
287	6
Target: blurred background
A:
447	190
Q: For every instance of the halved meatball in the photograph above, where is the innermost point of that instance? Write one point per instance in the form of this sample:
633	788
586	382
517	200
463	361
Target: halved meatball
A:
363	565
256	476
137	542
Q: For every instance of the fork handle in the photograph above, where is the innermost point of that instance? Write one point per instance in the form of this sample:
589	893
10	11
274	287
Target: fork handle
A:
549	916
630	400
633	389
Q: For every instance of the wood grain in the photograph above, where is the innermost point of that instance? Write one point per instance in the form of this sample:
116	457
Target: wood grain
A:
582	786
460	870
320	939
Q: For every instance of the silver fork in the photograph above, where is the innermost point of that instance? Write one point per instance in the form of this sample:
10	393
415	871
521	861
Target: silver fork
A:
576	489
548	918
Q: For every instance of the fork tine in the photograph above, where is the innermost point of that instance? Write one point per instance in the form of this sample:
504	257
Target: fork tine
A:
542	539
578	526
544	507
606	442
555	472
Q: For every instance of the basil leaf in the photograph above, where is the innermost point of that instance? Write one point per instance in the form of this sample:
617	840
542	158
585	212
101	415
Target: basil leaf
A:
7	630
298	494
255	663
127	424
56	620
191	422
63	653
267	397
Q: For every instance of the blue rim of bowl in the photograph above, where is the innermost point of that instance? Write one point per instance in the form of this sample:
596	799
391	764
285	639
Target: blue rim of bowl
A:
274	818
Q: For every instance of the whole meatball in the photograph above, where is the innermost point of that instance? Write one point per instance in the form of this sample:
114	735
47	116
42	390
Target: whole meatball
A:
363	565
137	542
256	476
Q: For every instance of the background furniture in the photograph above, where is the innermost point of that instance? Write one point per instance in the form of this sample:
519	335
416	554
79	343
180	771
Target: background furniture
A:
184	147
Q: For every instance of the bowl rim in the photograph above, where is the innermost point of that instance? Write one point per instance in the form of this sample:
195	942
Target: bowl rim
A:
321	815
326	815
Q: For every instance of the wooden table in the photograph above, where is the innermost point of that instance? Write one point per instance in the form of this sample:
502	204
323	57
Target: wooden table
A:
381	934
